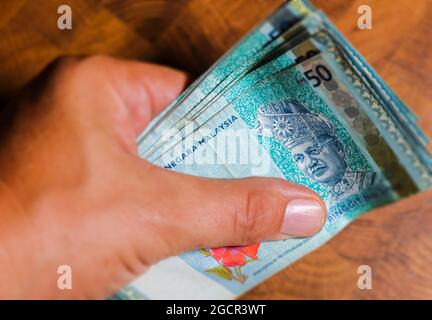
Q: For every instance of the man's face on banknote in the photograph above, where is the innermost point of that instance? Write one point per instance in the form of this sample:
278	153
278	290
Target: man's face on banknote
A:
323	162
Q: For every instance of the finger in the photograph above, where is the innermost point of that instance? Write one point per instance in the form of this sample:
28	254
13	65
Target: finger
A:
198	212
145	89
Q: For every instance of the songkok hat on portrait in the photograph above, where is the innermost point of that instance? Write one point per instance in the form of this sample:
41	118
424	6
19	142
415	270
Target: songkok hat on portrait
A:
291	124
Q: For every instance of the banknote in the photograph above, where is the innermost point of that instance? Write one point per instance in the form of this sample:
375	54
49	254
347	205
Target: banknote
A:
260	41
293	100
288	58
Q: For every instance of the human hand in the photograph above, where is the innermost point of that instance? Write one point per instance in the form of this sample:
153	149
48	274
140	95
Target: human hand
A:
73	190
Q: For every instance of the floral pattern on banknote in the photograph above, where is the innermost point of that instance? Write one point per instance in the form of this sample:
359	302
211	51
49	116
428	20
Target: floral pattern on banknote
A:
230	261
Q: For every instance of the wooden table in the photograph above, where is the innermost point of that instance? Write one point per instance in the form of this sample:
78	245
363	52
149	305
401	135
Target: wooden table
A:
396	241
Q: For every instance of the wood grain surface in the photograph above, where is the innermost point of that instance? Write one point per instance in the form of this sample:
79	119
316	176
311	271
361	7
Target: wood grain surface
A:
396	241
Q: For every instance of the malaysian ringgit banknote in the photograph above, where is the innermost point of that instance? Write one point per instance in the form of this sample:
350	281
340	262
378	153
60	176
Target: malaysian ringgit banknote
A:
294	100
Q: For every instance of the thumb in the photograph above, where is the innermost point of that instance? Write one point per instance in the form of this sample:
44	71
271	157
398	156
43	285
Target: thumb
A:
200	212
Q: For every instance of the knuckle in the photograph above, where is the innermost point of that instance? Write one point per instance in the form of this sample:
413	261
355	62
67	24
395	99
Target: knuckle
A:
66	61
58	68
78	68
60	71
62	65
97	60
77	72
280	185
250	217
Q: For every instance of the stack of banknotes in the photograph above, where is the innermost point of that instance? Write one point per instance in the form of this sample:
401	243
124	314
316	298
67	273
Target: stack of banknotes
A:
293	99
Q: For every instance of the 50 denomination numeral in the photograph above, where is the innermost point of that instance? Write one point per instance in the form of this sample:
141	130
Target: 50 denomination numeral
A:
318	74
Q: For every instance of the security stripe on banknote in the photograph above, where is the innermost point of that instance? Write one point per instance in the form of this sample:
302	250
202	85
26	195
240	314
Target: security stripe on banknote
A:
409	156
406	119
365	68
359	72
366	72
401	179
414	158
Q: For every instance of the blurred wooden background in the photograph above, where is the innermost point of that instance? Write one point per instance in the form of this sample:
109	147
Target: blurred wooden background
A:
396	241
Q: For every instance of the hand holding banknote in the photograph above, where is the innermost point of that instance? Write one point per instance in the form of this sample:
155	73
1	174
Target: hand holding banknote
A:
74	191
294	100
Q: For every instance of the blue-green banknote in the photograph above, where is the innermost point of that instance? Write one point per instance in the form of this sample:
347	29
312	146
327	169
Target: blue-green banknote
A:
292	100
